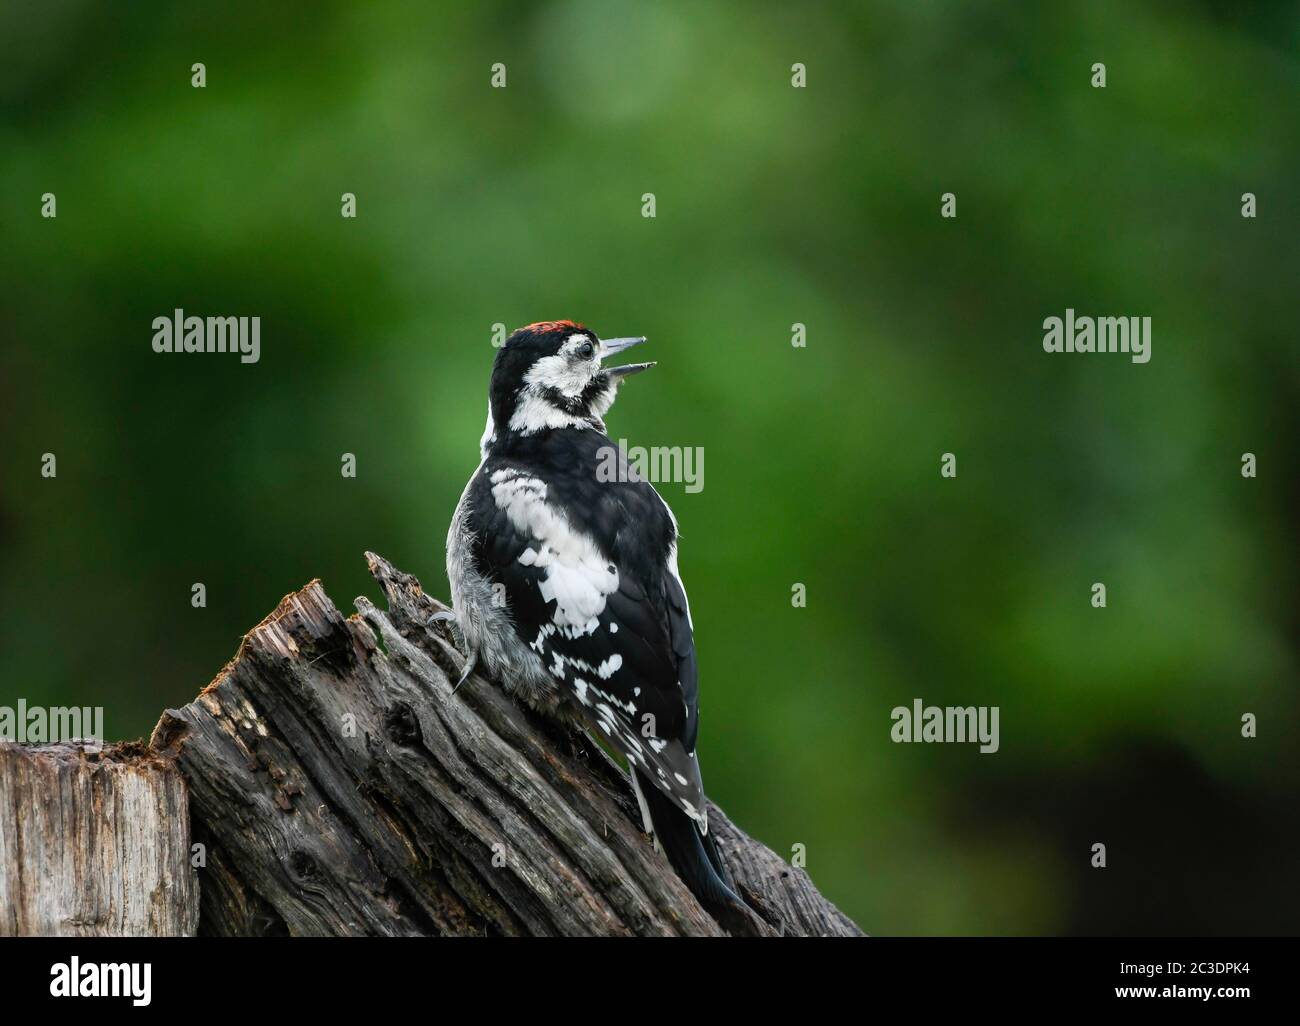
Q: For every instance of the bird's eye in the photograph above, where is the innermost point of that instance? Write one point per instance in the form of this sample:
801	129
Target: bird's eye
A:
585	350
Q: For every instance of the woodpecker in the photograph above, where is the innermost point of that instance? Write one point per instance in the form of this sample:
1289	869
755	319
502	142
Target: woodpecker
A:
565	586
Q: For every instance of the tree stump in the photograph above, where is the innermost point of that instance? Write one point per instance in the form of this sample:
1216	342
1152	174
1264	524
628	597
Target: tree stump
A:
94	843
337	786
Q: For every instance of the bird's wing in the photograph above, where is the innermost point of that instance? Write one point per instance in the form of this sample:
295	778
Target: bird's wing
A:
618	640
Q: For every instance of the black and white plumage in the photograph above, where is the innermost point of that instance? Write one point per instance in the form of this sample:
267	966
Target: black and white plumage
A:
565	586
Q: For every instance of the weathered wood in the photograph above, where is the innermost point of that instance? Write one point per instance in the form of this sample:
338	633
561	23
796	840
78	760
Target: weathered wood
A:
341	788
93	843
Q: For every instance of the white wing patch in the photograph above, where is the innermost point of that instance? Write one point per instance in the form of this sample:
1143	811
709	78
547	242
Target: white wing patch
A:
577	576
579	579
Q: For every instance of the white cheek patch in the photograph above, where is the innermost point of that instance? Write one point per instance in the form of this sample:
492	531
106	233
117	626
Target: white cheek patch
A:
560	372
578	577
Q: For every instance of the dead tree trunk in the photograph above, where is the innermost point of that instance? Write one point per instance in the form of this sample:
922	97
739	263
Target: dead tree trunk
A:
337	786
93	843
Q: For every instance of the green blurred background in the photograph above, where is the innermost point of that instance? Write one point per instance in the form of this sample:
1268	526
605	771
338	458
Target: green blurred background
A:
775	205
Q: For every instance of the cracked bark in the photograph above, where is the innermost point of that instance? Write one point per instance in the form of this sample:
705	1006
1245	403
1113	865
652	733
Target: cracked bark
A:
338	787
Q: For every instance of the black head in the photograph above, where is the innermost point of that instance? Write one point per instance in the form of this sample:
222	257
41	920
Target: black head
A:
549	375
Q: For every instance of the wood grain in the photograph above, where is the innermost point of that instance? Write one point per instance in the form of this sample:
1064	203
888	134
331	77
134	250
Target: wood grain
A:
93	843
341	788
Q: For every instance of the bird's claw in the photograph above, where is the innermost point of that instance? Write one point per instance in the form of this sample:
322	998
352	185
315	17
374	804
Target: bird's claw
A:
441	616
470	663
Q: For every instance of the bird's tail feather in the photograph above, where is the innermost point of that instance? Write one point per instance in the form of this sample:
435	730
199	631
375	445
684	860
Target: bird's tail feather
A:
695	857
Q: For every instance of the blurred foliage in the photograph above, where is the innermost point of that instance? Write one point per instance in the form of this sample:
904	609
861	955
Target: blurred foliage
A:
775	205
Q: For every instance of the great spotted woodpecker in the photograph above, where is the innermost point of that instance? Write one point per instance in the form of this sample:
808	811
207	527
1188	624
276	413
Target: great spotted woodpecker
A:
565	587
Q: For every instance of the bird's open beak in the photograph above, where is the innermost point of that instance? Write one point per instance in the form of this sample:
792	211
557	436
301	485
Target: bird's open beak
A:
610	346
